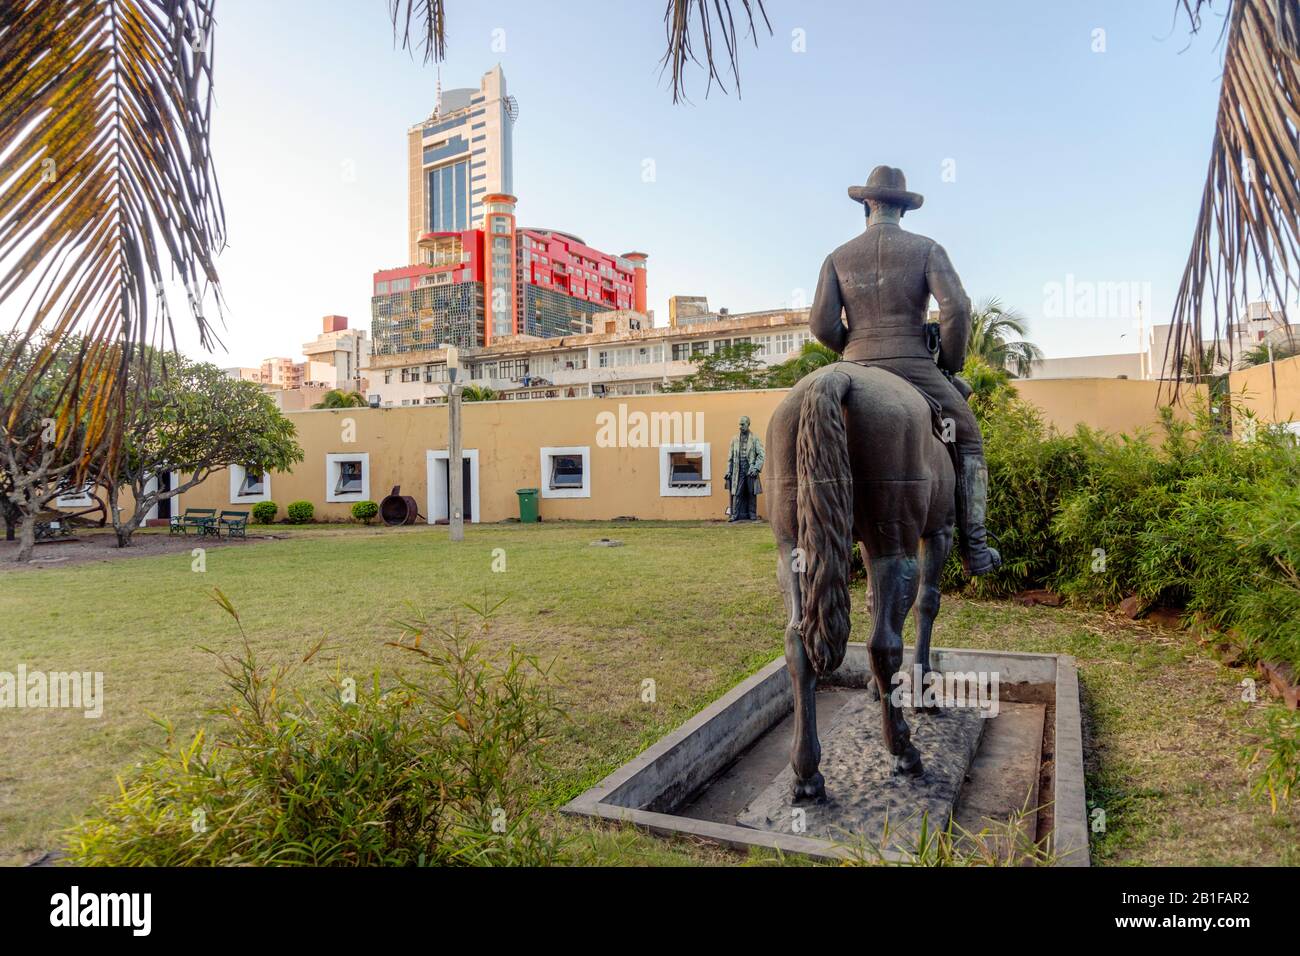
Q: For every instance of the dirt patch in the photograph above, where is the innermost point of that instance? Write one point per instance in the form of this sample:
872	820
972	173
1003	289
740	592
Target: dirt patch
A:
101	545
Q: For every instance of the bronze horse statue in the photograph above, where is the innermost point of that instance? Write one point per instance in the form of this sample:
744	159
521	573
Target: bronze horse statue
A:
853	456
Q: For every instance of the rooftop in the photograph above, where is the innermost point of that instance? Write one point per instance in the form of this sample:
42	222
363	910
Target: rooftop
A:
527	345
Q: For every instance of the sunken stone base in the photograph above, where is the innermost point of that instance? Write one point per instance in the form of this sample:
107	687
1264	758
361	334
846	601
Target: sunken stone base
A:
730	762
865	799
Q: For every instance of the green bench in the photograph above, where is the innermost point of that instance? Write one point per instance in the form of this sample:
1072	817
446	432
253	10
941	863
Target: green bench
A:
236	523
202	520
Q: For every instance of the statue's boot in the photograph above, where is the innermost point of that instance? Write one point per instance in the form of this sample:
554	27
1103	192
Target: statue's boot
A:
977	556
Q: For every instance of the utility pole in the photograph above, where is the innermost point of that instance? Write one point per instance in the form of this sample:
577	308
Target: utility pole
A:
455	485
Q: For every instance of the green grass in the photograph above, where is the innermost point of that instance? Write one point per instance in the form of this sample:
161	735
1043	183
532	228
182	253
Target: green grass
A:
693	607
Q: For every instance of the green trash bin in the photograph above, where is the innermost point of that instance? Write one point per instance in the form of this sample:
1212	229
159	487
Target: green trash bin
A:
527	505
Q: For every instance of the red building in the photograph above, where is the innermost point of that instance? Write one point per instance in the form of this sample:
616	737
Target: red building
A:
477	286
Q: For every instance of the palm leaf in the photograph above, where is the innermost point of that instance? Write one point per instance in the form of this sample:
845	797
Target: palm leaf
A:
426	16
423	24
681	46
108	195
1249	221
992	328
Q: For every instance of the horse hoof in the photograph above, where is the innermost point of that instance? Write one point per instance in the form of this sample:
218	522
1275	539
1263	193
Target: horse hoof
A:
874	691
909	762
811	790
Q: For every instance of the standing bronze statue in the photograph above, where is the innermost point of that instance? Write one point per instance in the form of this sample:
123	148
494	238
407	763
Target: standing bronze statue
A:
744	467
856	453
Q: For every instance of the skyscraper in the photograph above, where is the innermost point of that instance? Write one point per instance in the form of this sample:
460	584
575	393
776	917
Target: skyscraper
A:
473	277
457	156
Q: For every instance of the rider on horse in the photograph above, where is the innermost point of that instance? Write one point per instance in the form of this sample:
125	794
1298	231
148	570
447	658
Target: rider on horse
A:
882	281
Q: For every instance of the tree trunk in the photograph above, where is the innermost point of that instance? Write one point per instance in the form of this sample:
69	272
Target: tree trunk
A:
125	529
12	514
26	538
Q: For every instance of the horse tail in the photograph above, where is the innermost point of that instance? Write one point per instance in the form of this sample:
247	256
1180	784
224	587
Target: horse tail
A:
825	507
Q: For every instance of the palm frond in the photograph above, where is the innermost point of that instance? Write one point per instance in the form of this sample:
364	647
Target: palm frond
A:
1249	221
992	328
423	24
712	17
420	23
108	195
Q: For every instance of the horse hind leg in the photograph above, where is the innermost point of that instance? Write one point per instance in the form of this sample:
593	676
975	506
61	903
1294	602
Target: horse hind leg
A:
894	580
805	749
934	555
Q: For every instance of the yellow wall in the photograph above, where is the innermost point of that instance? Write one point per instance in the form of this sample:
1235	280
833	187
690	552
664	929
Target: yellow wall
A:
509	437
1253	388
1110	404
624	480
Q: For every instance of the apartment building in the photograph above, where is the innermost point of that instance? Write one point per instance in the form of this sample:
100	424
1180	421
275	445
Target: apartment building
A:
625	357
346	350
472	287
1261	323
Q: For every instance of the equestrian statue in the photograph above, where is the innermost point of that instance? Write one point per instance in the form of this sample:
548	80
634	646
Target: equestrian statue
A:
879	448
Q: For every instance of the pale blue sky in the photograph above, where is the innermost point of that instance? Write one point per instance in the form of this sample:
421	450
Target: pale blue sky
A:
1067	161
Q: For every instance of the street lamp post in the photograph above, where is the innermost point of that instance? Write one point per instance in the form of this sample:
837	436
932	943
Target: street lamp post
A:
455	486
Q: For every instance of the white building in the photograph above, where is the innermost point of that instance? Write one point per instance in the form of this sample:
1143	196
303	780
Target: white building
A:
628	361
346	351
1261	323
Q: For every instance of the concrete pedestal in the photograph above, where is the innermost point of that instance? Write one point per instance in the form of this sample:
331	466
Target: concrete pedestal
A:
863	794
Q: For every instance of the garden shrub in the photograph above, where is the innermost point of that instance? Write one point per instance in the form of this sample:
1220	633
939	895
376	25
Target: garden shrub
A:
1265	613
1099	524
299	512
365	511
440	769
264	512
1175	521
1188	516
1275	759
1030	469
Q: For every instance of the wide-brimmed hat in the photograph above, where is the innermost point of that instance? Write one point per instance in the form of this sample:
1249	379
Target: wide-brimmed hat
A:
887	184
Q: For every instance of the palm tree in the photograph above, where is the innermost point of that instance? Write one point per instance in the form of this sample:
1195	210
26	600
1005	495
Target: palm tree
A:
110	193
811	357
1199	364
337	398
478	393
1263	353
1249	220
985	380
992	328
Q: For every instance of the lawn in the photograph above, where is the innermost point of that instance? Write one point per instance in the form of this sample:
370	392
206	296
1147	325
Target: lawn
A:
692	606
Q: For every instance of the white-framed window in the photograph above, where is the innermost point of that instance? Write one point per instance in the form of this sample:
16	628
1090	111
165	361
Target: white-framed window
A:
566	472
248	485
347	477
685	471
